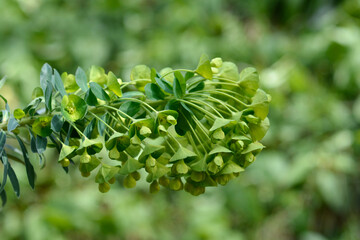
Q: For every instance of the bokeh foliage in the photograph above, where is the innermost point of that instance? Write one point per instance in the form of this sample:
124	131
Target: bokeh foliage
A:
303	186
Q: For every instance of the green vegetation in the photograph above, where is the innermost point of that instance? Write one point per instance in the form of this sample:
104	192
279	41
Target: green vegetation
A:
304	185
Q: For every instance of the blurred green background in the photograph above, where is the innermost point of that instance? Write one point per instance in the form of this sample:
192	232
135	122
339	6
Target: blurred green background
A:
304	185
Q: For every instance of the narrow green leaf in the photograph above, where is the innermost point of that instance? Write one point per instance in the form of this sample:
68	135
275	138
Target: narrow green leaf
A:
101	125
5	163
45	76
99	91
181	81
132	94
58	83
29	167
178	93
153	92
81	79
48	96
3	198
2	140
14	181
204	67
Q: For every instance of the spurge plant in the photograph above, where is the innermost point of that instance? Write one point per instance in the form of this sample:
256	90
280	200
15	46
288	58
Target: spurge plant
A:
181	129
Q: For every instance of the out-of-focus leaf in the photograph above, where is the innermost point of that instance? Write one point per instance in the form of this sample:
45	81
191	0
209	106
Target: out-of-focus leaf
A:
113	84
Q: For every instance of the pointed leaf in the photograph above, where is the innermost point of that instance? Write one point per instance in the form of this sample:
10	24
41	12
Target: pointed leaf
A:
99	91
45	76
58	83
164	85
204	67
66	151
220	122
131	165
153	92
48	96
113	84
231	167
57	123
90	98
183	153
5	163
219	149
14	181
29	167
81	79
12	124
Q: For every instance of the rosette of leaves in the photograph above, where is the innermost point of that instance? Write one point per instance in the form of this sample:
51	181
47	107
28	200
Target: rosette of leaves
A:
182	129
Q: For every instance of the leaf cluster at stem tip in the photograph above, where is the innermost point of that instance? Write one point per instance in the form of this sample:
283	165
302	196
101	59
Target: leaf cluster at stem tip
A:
180	128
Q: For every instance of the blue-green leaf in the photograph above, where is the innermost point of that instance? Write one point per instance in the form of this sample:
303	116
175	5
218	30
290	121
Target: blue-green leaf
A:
166	86
48	96
153	92
130	108
29	167
90	128
178	93
90	98
58	83
57	123
12	124
81	79
5	162
99	91
3	198
45	76
14	181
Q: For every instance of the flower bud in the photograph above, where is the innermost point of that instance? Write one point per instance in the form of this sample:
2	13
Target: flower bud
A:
129	181
85	174
170	119
65	162
176	184
154	187
104	187
112	180
198	176
136	175
85	157
145	131
164	181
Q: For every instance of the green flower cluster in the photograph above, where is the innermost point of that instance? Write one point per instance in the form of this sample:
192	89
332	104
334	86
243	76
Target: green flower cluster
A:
183	129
